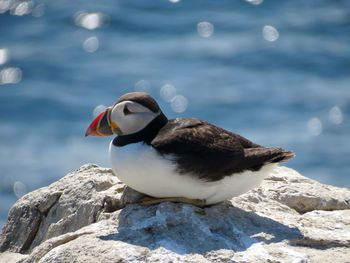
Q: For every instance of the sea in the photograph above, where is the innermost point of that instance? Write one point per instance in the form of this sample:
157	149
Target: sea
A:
276	72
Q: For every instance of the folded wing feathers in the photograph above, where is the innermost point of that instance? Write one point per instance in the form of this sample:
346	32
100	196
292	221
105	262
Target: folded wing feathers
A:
268	155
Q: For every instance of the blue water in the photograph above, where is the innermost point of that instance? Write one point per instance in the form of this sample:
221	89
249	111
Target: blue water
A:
292	92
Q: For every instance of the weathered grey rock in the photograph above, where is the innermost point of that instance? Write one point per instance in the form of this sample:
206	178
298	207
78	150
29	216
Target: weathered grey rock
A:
84	217
303	194
11	257
65	206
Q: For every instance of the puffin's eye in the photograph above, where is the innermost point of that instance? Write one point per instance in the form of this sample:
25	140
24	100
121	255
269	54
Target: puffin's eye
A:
126	111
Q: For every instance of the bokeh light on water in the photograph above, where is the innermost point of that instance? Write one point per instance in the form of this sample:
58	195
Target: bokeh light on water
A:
23	8
167	92
19	189
179	103
10	75
91	44
4	55
270	33
4	6
336	115
255	2
315	126
98	109
205	29
143	86
39	10
89	21
276	72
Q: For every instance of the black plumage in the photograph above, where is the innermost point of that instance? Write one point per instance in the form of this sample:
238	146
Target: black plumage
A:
210	152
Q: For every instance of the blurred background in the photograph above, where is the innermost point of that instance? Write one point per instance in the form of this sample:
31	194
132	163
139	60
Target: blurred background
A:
277	72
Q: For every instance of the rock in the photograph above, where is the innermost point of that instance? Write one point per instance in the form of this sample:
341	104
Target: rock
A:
90	216
303	194
65	206
10	257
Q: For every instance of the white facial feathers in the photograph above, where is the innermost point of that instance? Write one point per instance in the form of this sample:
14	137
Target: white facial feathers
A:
131	117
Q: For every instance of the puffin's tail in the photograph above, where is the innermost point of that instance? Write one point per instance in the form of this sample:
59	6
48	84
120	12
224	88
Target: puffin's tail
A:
262	155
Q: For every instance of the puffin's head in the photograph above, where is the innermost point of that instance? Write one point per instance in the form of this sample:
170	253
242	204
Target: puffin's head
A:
133	112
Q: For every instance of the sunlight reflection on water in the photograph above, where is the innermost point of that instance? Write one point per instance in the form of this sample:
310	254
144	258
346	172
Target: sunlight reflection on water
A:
89	21
315	126
255	2
167	92
179	103
23	8
205	29
98	109
19	189
91	44
270	33
4	55
336	115
10	75
39	10
143	85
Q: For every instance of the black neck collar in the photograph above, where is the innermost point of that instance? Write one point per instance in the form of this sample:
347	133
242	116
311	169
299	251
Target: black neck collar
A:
146	135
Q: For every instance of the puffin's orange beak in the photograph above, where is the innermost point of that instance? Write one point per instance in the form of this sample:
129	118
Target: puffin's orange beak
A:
100	126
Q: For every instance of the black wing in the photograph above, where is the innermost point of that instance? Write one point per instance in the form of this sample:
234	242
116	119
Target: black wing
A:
210	152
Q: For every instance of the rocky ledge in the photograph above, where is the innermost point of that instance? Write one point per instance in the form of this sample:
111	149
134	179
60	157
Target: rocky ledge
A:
90	216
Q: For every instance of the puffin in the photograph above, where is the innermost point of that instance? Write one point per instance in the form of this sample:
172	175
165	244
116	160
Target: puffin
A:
180	160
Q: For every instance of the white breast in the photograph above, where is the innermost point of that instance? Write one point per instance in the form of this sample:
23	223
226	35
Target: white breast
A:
143	169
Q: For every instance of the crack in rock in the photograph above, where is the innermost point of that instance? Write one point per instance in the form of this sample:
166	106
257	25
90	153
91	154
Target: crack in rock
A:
35	228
